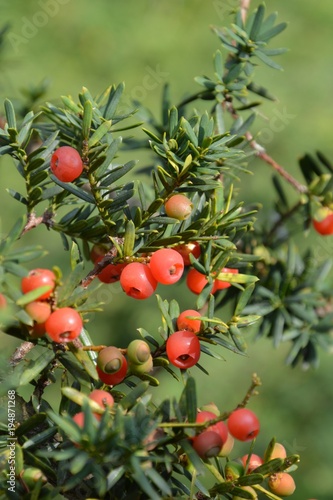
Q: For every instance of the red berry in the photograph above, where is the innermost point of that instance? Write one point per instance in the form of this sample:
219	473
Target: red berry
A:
183	349
78	418
102	398
3	301
38	330
220	284
324	225
243	424
111	273
192	248
167	266
138	281
38	311
64	325
254	462
66	164
113	378
207	444
196	281
282	484
178	206
37	278
219	427
185	323
97	253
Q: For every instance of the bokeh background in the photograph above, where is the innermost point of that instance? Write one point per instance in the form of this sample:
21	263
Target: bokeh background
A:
75	43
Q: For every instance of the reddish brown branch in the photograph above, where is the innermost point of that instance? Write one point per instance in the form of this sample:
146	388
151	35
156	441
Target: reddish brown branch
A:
261	153
107	259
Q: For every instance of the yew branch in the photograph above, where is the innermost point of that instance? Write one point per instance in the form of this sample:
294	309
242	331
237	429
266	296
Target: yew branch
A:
263	155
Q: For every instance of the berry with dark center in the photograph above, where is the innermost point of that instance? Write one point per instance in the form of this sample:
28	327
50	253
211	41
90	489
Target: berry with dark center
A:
137	281
185	322
183	349
64	325
243	424
167	266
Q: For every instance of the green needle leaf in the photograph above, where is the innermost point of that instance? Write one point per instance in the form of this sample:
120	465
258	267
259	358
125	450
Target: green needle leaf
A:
87	118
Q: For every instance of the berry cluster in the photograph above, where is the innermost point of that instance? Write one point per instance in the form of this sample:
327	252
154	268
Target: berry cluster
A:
113	366
217	440
139	280
196	281
63	324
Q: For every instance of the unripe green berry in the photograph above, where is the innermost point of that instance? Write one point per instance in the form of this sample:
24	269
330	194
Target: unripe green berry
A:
233	470
138	352
143	368
250	490
31	475
110	359
207	444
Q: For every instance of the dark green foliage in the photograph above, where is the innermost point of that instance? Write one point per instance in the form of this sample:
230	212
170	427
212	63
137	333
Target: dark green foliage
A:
140	449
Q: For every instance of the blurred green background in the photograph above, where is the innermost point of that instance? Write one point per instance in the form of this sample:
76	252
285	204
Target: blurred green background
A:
75	43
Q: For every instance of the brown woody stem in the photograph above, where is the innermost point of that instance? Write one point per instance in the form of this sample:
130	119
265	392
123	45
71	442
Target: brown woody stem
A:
107	259
34	221
252	391
261	153
20	352
98	348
